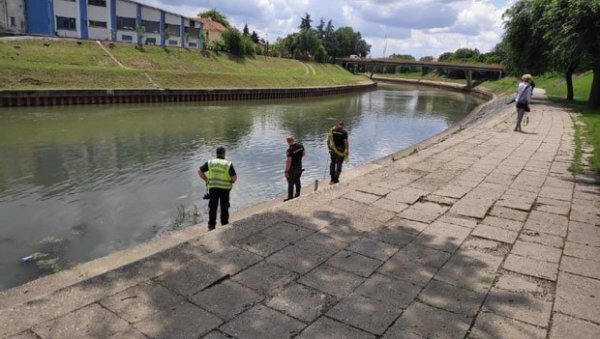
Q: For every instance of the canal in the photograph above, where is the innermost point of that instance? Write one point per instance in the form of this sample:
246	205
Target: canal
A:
77	183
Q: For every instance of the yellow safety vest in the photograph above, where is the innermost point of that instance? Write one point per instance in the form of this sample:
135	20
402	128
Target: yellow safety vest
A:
218	174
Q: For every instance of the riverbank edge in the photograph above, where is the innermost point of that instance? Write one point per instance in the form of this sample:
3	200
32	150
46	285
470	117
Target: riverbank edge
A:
118	260
70	97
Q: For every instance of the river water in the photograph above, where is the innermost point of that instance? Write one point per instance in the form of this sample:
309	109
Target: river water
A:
77	183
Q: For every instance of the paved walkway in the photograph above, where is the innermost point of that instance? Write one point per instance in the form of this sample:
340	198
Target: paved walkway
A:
485	235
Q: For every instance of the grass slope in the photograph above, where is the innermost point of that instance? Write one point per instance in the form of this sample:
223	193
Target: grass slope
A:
29	64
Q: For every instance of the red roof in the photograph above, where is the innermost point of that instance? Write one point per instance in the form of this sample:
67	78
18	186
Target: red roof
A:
209	25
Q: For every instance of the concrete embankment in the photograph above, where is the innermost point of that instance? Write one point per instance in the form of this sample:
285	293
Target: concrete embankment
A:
19	98
481	233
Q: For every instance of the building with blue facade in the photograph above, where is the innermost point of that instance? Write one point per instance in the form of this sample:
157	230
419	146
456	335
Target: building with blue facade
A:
116	20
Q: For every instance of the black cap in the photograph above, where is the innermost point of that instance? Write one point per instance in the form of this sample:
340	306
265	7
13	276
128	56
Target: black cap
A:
220	150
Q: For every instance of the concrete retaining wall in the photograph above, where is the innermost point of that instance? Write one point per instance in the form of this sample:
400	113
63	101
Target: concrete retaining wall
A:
19	98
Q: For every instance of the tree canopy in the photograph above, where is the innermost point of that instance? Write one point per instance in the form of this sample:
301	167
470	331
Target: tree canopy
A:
215	16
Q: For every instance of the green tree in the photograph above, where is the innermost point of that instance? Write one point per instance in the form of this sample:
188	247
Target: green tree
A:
308	43
426	59
246	30
305	22
254	37
237	44
215	16
406	57
350	42
572	29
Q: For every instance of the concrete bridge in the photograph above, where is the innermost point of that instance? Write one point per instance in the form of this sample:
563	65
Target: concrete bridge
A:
353	64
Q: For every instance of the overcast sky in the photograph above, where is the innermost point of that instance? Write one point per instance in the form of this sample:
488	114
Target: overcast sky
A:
417	27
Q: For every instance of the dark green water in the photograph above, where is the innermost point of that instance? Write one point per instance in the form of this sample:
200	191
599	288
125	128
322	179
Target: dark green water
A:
103	178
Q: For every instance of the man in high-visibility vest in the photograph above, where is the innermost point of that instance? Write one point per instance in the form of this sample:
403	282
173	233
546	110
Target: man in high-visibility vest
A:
339	150
219	176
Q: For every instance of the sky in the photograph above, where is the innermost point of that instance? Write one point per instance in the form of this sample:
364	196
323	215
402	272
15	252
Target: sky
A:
416	27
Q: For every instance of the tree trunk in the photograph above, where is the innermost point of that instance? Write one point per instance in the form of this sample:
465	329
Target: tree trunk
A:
594	101
569	78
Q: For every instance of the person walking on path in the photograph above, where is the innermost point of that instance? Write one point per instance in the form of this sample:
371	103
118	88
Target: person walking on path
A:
339	149
523	98
293	167
219	176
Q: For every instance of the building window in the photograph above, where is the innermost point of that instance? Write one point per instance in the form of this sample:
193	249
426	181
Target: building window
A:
150	41
193	44
99	3
193	32
126	37
173	42
126	24
151	26
68	24
98	24
13	22
172	29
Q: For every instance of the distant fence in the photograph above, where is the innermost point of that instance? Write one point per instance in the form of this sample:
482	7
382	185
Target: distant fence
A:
64	97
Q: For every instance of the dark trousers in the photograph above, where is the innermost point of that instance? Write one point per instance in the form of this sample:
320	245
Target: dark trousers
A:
216	195
293	179
335	169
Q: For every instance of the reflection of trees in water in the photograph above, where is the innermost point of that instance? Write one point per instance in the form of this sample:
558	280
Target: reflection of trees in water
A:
75	147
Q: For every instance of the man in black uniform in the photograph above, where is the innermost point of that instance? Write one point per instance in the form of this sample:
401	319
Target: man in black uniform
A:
293	167
339	150
219	176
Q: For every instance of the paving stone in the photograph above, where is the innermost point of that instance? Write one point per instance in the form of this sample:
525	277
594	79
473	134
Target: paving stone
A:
415	264
231	261
332	281
406	195
362	197
458	220
262	244
346	205
440	200
473	206
372	315
373	249
515	283
417	319
556	193
587	268
406	224
451	298
471	269
264	277
131	333
541	238
394	293
582	251
508	224
424	212
532	267
302	257
519	306
585	215
453	190
181	321
489	325
547	223
508	213
141	301
584	234
92	321
564	326
393	236
286	231
354	263
553	206
495	233
326	328
301	302
262	322
443	236
483	245
536	251
520	200
196	276
341	235
226	299
390	205
377	189
216	335
374	213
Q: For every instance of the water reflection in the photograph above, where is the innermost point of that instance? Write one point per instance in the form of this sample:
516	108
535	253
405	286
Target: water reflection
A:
106	177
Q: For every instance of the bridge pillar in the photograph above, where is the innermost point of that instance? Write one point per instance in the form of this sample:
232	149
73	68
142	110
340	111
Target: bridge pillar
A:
469	76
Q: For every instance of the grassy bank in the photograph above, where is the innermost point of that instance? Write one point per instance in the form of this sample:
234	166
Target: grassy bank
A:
60	64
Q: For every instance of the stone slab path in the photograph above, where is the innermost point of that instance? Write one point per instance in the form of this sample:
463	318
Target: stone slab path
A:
484	235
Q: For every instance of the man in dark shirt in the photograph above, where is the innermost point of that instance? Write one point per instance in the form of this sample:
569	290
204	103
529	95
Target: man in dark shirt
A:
219	176
339	150
293	167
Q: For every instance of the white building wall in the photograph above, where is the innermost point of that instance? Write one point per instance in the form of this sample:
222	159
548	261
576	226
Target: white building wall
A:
69	9
12	16
128	10
102	14
151	14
